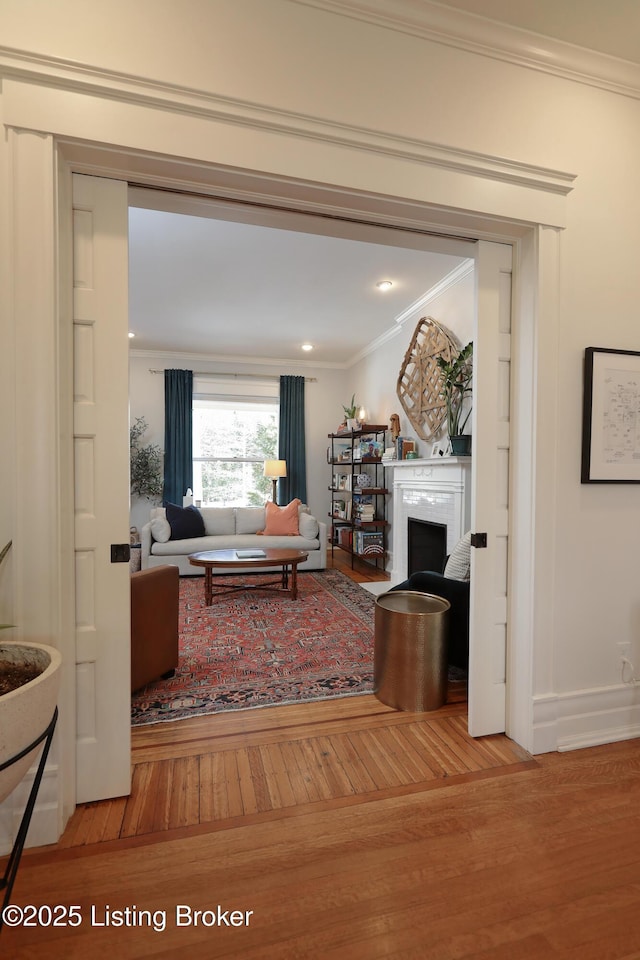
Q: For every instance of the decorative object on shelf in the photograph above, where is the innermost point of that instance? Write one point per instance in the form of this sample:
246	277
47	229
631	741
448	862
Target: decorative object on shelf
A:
441	448
275	469
403	447
145	463
610	442
350	413
394	426
419	387
456	375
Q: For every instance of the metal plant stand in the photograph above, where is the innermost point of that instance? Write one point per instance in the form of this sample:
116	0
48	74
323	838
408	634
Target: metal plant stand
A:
13	863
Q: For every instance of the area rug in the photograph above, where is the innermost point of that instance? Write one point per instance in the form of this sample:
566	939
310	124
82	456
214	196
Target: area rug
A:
260	648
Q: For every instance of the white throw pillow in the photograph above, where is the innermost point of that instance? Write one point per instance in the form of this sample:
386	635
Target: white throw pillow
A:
307	525
459	563
160	529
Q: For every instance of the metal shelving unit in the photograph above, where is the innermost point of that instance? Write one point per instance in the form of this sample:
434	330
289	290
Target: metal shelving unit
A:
358	494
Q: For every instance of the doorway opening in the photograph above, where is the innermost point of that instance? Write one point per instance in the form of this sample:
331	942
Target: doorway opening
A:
155	215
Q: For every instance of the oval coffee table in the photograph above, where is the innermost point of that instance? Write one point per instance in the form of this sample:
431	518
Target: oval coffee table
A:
212	559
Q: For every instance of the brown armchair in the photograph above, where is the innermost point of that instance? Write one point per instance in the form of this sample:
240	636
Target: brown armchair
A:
154	624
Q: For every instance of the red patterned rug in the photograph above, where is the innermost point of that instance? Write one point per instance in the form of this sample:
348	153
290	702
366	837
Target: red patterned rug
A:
260	648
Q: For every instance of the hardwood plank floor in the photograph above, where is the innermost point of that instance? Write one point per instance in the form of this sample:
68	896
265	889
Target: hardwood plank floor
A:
344	830
523	859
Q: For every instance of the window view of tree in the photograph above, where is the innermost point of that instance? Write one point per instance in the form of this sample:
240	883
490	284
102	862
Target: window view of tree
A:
231	441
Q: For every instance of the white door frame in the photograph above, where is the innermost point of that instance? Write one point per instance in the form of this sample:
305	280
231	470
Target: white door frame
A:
38	232
531	287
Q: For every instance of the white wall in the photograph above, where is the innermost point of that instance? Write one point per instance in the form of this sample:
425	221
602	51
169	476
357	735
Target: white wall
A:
323	413
388	115
375	377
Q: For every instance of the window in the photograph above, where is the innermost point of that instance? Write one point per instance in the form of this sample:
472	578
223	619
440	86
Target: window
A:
232	437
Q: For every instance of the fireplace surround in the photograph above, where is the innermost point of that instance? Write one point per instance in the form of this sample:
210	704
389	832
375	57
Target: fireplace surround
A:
435	491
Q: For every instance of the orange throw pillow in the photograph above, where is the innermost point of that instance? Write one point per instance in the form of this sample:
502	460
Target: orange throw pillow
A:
281	521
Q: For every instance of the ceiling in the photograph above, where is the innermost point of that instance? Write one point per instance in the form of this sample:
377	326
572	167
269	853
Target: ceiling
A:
219	288
219	282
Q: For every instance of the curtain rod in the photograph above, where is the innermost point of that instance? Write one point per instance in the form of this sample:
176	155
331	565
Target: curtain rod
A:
240	376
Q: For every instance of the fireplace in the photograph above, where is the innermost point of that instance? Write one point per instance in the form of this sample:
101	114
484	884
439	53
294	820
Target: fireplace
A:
426	545
437	492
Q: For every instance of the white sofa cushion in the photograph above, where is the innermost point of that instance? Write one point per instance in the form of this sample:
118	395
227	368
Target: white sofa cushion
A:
232	542
249	519
218	521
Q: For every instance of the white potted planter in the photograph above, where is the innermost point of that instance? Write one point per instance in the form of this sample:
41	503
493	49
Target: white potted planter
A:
26	711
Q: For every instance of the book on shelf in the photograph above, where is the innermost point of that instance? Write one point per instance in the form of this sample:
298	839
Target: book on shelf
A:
368	542
404	445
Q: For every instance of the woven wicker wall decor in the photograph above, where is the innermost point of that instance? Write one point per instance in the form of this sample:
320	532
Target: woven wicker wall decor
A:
419	379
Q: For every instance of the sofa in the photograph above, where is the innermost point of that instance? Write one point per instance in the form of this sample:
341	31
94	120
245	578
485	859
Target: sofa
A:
154	624
228	528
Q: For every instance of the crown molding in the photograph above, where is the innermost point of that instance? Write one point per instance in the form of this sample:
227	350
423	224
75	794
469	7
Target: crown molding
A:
489	38
82	78
451	279
173	356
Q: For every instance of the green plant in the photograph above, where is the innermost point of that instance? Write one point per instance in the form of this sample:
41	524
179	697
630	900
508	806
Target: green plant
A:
145	463
5	551
351	410
456	376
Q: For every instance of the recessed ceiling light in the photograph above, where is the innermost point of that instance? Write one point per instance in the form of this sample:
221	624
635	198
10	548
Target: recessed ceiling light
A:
131	335
384	285
307	346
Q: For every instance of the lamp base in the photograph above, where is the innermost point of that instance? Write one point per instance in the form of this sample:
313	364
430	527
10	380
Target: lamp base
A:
275	491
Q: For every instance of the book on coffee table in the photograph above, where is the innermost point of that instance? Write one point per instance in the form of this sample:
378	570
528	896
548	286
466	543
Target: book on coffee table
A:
249	554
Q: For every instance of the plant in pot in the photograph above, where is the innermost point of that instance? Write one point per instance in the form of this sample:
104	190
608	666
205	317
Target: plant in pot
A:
456	375
29	684
350	414
145	463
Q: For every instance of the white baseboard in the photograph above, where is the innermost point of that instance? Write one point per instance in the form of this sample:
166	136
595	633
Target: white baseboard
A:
586	718
45	822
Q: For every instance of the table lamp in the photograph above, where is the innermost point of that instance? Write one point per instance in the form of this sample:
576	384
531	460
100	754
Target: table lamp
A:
274	469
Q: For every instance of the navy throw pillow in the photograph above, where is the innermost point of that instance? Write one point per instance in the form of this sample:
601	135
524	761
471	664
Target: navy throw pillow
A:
185	522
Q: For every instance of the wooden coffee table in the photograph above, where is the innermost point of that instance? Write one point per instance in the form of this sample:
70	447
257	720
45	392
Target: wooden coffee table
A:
212	559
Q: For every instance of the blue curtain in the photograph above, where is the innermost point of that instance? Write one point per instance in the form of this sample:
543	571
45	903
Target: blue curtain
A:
291	440
178	434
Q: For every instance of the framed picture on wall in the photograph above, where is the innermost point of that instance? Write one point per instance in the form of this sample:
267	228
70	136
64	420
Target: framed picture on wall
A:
611	416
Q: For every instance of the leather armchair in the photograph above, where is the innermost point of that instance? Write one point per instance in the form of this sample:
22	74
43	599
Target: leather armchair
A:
457	593
154	624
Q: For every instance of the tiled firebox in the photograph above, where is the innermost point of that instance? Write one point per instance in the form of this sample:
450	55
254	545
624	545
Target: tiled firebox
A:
433	490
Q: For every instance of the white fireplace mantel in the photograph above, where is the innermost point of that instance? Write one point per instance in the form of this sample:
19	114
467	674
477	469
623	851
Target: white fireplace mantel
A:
436	490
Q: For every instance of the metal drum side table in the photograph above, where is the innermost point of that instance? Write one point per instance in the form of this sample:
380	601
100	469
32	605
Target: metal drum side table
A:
410	651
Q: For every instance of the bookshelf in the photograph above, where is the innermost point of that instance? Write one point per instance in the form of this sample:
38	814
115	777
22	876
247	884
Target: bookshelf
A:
358	493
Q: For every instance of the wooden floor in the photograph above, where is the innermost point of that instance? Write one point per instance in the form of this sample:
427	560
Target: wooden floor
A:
517	860
344	830
213	772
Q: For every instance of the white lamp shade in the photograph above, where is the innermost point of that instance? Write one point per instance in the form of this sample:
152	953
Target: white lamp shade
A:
275	469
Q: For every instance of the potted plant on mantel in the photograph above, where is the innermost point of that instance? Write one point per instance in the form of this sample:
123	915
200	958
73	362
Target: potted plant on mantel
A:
456	376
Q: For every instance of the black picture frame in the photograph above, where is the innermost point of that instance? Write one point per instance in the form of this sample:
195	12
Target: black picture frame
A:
611	416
